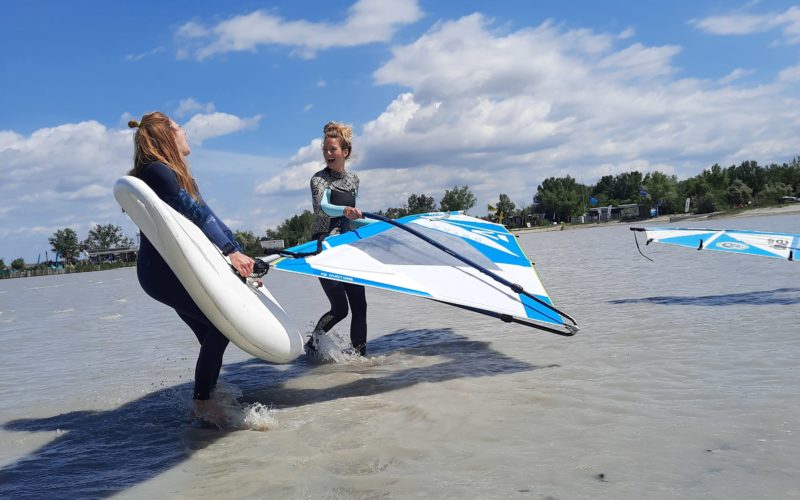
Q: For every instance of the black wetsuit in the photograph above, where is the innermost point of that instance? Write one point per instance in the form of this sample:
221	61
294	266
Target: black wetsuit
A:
339	294
159	282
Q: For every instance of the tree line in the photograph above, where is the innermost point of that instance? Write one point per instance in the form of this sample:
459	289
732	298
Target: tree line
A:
67	246
715	188
557	199
297	229
561	199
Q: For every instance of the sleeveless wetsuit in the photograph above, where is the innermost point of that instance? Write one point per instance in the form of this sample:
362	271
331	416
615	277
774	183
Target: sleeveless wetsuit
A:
159	282
329	220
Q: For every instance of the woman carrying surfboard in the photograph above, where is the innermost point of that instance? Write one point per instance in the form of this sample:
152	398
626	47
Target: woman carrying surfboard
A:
334	191
160	147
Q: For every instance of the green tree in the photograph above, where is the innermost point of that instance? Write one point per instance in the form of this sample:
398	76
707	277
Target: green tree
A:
772	192
294	230
65	242
106	236
739	193
18	264
604	188
420	204
705	204
249	242
2	264
751	174
717	179
626	187
505	206
663	190
559	198
395	212
458	198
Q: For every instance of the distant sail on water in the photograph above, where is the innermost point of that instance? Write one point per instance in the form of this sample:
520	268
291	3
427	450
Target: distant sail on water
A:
448	257
763	244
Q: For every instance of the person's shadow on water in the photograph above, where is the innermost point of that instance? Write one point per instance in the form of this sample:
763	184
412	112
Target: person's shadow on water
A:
98	454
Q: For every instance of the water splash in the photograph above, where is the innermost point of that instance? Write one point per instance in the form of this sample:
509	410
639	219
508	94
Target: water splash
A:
225	412
331	347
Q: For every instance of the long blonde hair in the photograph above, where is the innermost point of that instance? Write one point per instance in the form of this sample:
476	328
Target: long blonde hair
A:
342	133
155	141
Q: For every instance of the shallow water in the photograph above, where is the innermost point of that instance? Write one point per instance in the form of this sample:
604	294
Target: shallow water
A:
681	384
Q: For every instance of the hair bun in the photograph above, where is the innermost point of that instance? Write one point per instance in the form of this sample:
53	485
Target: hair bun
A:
341	129
133	124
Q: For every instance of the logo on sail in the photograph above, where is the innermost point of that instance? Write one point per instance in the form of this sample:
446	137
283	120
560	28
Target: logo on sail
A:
732	245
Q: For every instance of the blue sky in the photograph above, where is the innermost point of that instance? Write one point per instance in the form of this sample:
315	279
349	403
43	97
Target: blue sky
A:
494	95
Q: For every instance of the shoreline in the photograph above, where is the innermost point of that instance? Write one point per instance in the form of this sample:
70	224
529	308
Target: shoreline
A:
750	212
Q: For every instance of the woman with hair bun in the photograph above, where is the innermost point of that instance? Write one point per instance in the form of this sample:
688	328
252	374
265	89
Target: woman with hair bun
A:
160	147
334	192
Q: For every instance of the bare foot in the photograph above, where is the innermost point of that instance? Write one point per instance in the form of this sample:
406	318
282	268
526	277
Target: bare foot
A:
211	412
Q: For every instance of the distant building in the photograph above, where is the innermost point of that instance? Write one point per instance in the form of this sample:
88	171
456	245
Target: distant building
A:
629	211
124	254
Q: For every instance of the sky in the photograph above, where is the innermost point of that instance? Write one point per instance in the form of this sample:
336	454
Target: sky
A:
497	96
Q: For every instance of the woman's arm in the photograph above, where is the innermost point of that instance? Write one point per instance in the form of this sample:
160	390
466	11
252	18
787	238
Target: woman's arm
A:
329	208
164	182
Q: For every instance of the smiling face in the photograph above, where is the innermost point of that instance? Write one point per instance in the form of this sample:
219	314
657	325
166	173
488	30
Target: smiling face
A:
334	155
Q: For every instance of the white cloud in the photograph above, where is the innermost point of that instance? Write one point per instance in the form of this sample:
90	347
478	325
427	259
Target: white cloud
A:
59	177
745	24
790	75
627	33
206	126
191	105
368	21
140	56
63	176
192	30
497	110
501	111
736	74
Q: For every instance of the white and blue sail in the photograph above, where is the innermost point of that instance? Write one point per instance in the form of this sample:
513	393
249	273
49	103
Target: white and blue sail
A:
763	244
447	257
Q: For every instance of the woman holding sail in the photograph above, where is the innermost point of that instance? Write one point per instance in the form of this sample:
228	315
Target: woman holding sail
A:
334	192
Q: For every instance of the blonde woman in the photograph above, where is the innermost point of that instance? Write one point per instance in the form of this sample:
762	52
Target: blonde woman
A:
334	193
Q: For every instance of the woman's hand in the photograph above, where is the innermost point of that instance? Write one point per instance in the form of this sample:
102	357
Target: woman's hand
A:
352	213
242	263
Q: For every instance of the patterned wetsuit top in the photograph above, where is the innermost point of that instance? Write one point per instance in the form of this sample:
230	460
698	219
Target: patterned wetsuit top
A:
164	182
339	181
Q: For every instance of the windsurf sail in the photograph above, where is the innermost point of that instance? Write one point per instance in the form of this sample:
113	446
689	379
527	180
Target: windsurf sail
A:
448	257
776	245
